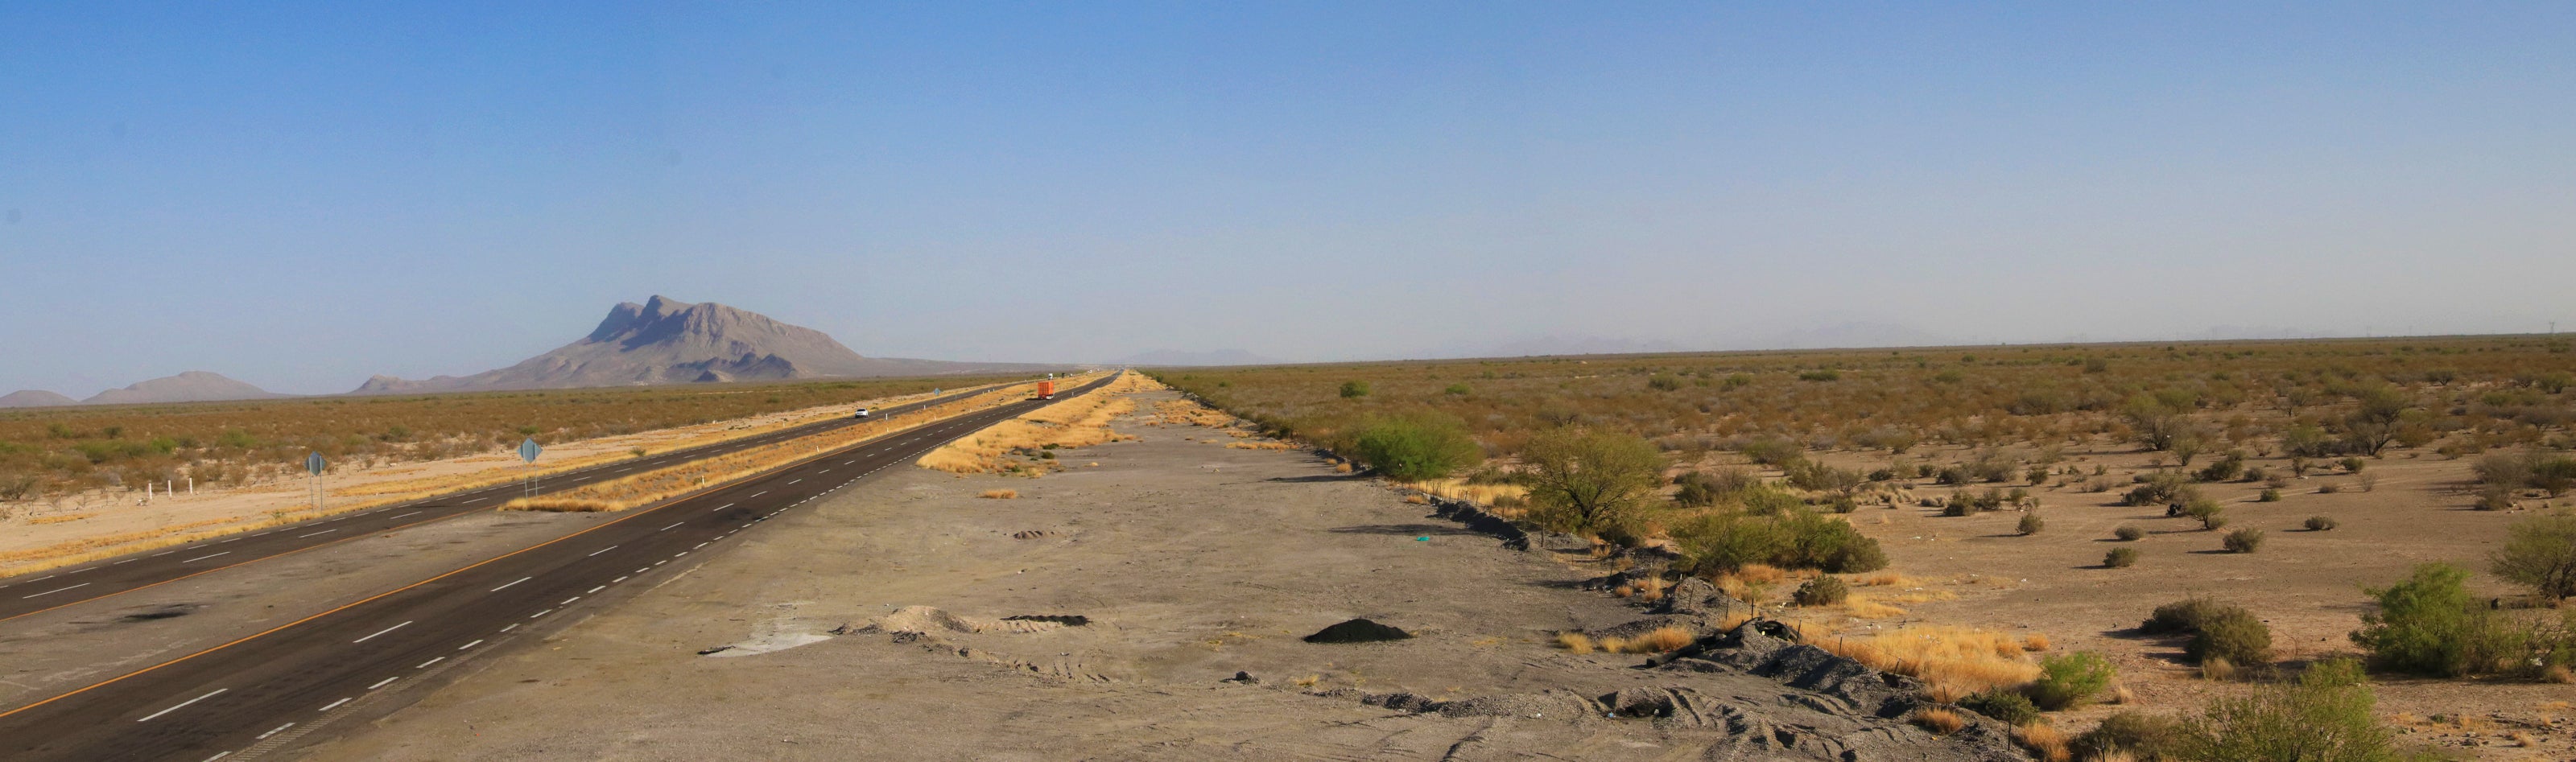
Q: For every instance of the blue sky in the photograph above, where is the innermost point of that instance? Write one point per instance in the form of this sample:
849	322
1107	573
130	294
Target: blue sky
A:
303	196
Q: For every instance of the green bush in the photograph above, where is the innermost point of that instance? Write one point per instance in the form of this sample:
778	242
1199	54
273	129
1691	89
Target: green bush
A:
2324	717
2430	625
2540	552
1354	389
2245	540
2234	635
2145	737
2010	707
2268	495
1664	382
1701	489
2068	680
2160	489
2223	469
2322	523
1417	447
2030	524
2128	533
2120	558
1824	590
1794	538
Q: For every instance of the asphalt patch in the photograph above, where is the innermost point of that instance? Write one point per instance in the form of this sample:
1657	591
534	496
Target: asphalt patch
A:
171	611
1358	631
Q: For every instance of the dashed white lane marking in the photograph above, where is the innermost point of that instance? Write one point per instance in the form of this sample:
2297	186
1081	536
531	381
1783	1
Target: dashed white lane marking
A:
53	591
793	481
425	665
473	501
157	715
568	601
382	683
327	707
126	561
601	550
326	531
725	506
477	642
757	494
218	755
674	525
513	626
661	562
541	613
381	632
218	543
595	589
46	577
679	554
620	579
413	513
512	582
201	558
162	553
700	545
273	731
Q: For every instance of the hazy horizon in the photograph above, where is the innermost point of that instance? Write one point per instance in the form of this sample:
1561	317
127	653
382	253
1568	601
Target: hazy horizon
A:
304	196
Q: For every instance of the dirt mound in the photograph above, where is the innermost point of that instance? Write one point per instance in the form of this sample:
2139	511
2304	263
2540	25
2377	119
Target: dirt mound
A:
1068	620
1358	631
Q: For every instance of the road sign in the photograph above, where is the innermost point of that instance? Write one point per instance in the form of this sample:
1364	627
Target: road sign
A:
314	463
528	450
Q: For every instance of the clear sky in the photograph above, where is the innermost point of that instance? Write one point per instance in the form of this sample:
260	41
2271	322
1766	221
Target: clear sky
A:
301	197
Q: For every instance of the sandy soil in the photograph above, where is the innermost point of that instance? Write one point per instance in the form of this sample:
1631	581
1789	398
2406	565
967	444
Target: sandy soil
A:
2306	585
1191	561
99	514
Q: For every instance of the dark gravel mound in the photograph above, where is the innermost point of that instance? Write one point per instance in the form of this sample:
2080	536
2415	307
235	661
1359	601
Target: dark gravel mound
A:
1068	620
1357	631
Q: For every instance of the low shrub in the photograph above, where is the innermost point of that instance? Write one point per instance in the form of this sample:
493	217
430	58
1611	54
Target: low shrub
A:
2269	495
2321	524
2540	552
2128	533
1825	590
2141	736
2245	540
2429	625
2010	707
2234	635
2185	616
2120	558
1417	447
2068	680
2030	524
2326	716
1939	721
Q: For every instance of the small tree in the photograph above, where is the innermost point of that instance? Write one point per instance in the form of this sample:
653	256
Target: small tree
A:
2428	624
1587	481
2540	552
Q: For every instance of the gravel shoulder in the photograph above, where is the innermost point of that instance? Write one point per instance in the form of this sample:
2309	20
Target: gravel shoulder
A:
875	625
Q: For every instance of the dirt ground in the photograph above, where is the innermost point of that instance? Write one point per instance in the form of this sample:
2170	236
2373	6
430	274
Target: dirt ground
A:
1191	563
2306	585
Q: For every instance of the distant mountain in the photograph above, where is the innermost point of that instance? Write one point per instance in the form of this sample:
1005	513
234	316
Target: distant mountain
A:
1548	346
1854	336
35	398
192	386
1166	358
665	341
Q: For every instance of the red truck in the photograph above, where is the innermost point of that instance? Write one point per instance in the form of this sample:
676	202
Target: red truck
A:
1046	390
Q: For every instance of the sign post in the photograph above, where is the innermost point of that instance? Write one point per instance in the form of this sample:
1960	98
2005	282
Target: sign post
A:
313	463
528	452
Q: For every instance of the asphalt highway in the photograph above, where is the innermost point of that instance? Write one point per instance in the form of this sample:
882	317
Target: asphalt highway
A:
52	589
271	691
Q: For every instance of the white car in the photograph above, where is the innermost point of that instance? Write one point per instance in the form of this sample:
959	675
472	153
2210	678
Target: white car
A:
863	413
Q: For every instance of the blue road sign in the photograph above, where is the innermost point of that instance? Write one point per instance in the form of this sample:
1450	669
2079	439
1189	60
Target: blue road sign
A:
528	450
314	463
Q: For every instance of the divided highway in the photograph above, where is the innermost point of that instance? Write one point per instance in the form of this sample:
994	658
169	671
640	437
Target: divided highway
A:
52	589
267	692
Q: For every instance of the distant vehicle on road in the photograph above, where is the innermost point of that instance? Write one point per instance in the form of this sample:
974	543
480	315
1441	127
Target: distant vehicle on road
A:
863	413
1046	390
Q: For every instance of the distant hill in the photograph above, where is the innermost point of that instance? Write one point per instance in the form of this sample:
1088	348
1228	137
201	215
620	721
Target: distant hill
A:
1166	358
1858	335
666	341
192	386
35	398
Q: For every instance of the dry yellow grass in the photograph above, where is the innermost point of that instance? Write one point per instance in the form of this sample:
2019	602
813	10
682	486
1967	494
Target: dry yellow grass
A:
2035	642
1862	606
1961	657
1942	721
1575	642
661	484
2558	673
1659	640
1459	489
1417	500
40	520
1885	579
2217	669
1073	422
1943	693
2043	740
1261	445
1000	494
1190	413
